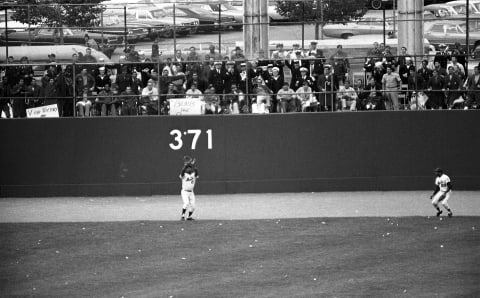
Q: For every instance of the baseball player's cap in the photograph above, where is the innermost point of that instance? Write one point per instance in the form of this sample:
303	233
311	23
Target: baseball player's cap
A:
438	170
303	69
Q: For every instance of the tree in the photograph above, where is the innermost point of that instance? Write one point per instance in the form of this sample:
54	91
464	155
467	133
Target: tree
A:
340	11
56	14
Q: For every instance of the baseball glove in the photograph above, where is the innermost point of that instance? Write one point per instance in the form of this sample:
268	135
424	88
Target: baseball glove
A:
188	160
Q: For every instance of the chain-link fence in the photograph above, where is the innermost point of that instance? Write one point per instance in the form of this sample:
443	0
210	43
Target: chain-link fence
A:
112	58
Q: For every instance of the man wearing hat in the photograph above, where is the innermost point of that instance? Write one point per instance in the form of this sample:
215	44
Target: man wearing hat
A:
313	51
295	52
217	78
238	57
275	84
442	192
315	67
304	77
442	56
231	76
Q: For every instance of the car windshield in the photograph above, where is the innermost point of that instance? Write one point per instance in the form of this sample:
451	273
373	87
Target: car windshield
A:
477	6
460	9
178	12
198	11
158	13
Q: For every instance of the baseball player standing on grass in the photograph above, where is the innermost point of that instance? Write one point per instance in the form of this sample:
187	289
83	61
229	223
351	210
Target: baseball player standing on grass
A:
189	176
442	192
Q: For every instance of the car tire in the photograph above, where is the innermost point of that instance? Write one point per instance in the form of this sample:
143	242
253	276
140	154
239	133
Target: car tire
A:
168	34
346	35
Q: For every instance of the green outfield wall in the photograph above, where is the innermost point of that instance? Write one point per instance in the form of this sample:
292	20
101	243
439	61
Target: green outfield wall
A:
343	151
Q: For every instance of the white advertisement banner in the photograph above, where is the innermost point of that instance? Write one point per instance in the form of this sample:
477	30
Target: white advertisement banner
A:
185	106
50	111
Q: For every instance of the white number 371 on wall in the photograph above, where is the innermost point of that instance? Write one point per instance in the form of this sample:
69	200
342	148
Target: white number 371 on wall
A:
177	143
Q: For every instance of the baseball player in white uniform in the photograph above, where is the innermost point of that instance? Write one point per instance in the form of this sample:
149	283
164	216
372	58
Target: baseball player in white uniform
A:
442	192
189	176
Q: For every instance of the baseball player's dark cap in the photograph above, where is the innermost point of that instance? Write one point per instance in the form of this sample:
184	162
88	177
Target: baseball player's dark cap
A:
438	170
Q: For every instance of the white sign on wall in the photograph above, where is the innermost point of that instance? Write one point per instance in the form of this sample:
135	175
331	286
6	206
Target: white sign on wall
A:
50	111
185	106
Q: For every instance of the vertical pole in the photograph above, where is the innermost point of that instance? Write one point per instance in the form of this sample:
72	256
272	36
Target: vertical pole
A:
158	88
28	18
467	37
321	19
74	90
174	30
303	25
6	34
101	23
125	28
220	31
384	28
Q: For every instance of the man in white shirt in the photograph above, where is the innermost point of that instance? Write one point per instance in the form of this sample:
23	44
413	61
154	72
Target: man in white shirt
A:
306	97
442	192
391	85
286	98
150	98
348	97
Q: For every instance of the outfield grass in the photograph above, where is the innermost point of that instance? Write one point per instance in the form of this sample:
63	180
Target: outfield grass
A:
334	257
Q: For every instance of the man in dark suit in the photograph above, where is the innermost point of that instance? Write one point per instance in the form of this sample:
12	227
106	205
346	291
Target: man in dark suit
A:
424	71
216	78
453	83
327	84
473	89
436	95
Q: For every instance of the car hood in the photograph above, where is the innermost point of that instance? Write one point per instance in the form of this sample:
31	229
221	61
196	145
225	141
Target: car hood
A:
179	20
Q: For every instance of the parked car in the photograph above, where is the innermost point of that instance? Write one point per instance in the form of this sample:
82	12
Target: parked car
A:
160	17
275	16
460	6
11	24
441	11
113	25
209	21
39	54
368	25
449	32
225	10
45	36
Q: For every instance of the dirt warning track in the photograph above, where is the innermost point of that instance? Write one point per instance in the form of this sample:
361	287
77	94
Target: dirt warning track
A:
232	207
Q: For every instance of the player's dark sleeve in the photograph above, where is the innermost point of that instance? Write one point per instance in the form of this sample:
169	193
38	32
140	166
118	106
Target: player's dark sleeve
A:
196	173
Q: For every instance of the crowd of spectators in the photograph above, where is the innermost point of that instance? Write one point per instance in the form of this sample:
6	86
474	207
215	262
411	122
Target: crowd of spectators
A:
299	80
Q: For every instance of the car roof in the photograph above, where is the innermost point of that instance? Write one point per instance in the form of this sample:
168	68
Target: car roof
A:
438	6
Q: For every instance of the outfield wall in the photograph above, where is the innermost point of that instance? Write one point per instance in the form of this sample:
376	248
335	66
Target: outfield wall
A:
239	154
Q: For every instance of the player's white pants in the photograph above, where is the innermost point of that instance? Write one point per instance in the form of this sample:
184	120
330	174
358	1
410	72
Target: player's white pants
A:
438	195
188	198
